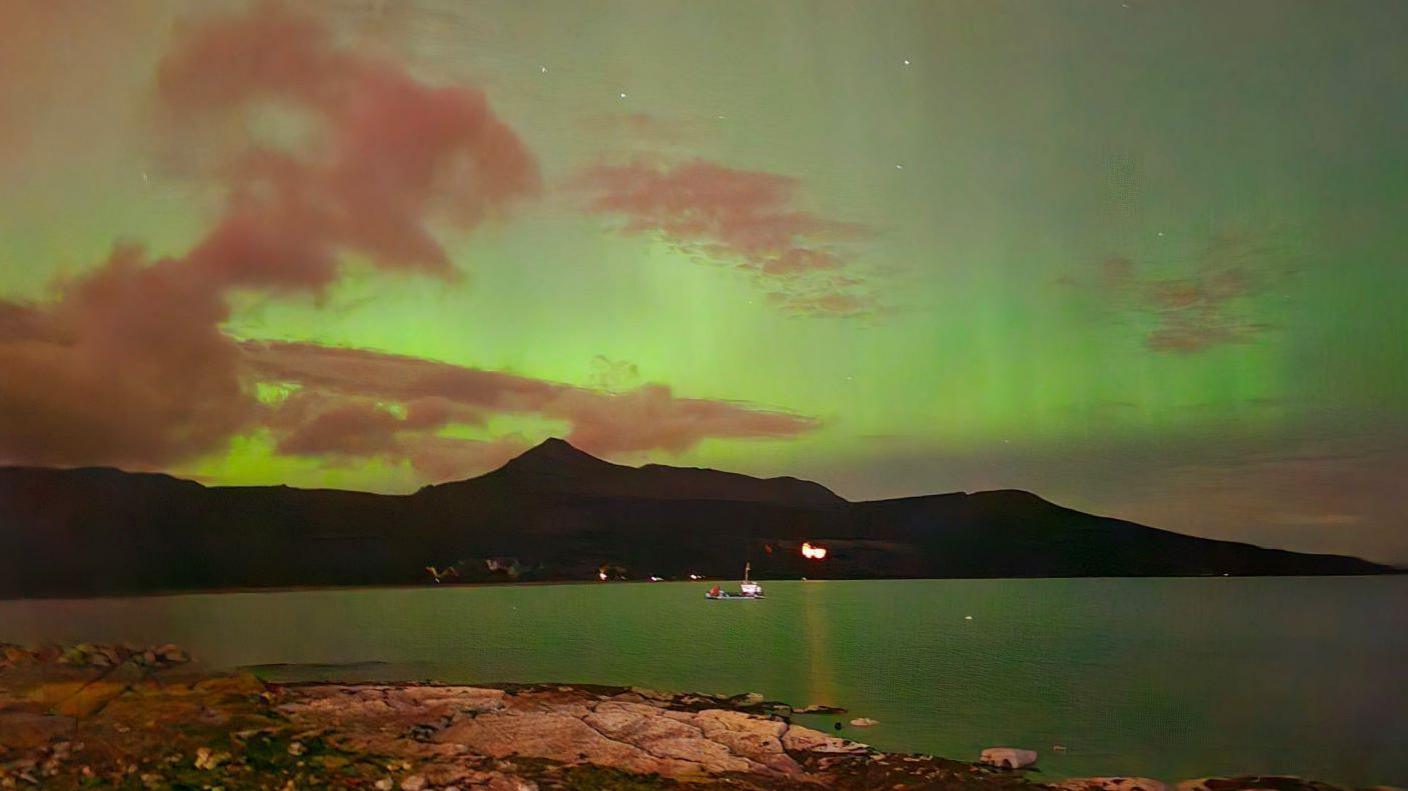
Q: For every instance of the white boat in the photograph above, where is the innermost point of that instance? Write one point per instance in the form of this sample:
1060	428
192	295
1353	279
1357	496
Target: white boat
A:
747	589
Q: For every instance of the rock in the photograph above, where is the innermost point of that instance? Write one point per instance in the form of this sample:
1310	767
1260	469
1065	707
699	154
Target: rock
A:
172	654
1008	757
652	694
864	722
747	699
78	699
384	784
806	740
413	783
1111	784
206	759
245	683
818	709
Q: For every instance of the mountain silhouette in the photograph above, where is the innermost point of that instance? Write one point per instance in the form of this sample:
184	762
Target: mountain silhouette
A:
558	513
555	466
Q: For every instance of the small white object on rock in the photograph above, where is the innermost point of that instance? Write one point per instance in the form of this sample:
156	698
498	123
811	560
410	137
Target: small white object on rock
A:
1008	757
864	722
413	783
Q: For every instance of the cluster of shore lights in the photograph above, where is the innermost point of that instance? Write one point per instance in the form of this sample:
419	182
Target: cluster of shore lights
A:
813	553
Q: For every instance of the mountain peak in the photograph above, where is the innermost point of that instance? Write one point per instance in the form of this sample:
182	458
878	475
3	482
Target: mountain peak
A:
555	453
556	448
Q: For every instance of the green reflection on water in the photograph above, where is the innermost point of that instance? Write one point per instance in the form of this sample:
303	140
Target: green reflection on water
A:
1171	678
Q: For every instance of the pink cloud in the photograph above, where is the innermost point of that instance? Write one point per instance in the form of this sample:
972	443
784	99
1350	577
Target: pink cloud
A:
345	407
744	217
128	366
1207	305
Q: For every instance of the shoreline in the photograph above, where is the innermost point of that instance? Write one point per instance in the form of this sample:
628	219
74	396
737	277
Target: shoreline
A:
1395	572
118	717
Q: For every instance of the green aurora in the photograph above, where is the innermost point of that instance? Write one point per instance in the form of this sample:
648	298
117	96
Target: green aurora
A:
1143	258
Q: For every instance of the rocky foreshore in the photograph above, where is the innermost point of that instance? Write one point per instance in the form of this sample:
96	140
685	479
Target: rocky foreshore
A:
120	717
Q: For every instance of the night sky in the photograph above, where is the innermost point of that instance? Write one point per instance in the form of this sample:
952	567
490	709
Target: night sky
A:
1143	258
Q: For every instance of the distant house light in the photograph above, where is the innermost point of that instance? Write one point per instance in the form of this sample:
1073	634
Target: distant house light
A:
813	552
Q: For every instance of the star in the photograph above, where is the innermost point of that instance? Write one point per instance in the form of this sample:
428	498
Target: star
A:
543	69
906	61
623	96
899	167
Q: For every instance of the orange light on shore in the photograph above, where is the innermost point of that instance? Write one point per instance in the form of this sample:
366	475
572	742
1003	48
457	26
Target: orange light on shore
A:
813	553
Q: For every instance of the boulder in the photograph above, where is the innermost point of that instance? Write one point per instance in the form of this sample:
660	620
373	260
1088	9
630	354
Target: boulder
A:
1008	757
77	699
818	709
806	740
864	722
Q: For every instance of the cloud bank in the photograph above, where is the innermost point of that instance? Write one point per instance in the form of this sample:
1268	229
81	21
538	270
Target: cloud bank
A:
128	365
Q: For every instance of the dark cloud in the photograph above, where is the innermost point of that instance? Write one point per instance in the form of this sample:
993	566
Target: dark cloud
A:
129	367
742	217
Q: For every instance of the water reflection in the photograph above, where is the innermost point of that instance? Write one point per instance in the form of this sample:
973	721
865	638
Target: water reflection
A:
1171	678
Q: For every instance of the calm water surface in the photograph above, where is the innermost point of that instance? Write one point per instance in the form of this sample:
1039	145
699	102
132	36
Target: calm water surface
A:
1171	678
